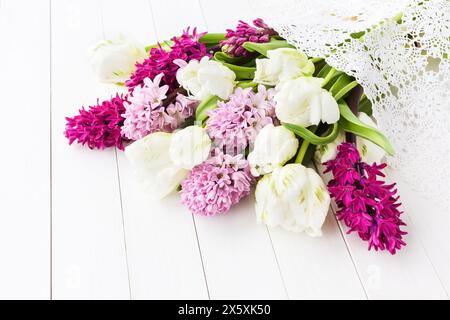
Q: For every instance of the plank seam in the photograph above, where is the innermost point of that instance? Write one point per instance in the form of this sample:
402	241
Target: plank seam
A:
155	29
193	218
412	227
205	21
201	257
346	245
278	264
51	147
202	12
123	226
118	182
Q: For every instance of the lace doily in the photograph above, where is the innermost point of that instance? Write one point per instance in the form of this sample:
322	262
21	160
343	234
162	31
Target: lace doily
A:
402	61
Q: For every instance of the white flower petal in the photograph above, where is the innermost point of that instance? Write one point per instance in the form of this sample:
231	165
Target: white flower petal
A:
292	197
330	109
153	167
206	78
150	152
281	65
189	147
303	102
167	180
274	146
369	151
113	61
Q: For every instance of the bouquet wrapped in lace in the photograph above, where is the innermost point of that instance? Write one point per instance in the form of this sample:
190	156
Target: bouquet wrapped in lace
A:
216	116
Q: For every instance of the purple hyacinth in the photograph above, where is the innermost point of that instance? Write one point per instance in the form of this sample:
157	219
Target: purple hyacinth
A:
244	32
99	126
366	204
149	109
217	184
234	124
186	48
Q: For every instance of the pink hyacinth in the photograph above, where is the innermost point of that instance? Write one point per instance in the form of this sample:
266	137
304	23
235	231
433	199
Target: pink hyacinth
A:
99	126
217	184
234	125
146	111
186	48
366	204
244	32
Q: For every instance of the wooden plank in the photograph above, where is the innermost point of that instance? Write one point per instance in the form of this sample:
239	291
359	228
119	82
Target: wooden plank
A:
172	17
221	17
317	268
162	247
89	260
407	275
431	222
24	165
238	255
303	261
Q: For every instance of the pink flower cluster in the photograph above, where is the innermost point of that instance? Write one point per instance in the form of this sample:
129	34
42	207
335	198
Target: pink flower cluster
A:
99	126
146	112
234	125
217	184
186	47
366	204
260	33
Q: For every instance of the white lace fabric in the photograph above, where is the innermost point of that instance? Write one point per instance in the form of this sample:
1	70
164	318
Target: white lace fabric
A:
402	64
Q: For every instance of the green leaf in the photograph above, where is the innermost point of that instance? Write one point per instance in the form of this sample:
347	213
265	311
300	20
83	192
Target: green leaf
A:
223	57
310	136
329	74
365	106
262	48
332	74
345	90
242	73
212	38
324	71
166	45
350	123
247	84
204	106
340	83
316	60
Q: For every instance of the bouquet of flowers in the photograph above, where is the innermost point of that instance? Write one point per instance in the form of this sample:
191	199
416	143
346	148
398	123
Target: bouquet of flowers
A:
213	115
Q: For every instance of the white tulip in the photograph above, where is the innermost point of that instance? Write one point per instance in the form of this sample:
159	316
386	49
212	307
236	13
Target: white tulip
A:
206	78
190	147
304	102
328	152
274	146
369	151
292	197
282	64
154	168
113	61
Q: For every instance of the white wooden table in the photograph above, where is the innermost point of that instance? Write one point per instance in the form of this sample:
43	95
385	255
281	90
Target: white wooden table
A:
74	224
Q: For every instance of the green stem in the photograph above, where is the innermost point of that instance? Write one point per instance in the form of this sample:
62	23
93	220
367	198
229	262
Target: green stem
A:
212	38
353	102
302	152
303	149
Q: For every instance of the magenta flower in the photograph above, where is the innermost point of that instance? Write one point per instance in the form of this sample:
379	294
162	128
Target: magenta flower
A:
217	184
366	204
186	48
146	111
234	125
99	126
244	32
